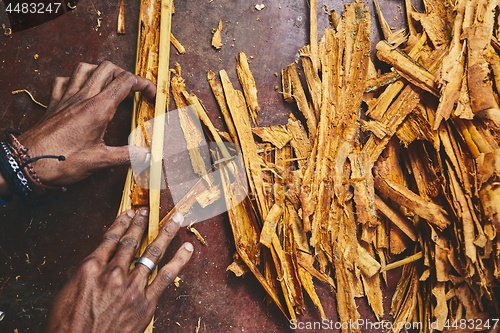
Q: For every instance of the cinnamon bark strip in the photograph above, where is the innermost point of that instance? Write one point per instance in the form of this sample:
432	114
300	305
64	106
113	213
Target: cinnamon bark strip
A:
395	217
218	91
489	194
246	234
433	213
302	103
408	68
478	38
312	78
248	85
193	136
121	19
217	38
364	193
299	142
452	70
146	66
313	33
238	110
162	98
178	46
286	86
277	135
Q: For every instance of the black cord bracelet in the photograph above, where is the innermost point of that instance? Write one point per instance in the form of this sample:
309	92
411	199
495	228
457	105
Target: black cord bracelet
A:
13	173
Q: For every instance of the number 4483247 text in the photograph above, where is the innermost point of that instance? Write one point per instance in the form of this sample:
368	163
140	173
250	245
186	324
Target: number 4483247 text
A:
33	8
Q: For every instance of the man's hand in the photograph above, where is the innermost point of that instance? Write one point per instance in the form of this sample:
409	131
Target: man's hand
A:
105	295
79	112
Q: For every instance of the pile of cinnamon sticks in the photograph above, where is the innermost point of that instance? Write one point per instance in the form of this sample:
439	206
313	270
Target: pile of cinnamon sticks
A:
378	169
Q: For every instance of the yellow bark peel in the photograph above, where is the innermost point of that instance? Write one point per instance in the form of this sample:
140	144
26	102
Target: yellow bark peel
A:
247	82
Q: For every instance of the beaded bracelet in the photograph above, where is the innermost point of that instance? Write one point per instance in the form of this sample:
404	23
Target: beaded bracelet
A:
13	174
21	154
16	166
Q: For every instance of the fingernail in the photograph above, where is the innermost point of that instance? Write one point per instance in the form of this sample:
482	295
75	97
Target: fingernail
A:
189	247
144	212
178	218
130	213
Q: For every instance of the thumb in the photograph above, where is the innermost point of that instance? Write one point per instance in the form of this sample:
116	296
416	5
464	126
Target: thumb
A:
134	155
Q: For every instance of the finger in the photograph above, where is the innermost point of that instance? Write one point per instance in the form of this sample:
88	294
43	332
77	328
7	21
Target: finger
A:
157	248
111	238
114	93
58	88
100	78
124	155
167	273
77	80
130	241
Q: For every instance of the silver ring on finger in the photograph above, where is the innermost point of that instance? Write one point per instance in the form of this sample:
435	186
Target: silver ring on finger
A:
146	262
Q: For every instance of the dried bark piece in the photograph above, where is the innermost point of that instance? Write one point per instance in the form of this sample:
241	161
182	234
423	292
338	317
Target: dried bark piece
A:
404	300
494	62
366	263
217	38
299	142
312	78
415	127
467	298
452	69
395	217
138	197
121	19
478	72
371	284
435	26
218	92
364	195
287	278
238	267
248	85
146	66
425	173
386	29
346	306
156	179
406	67
313	34
286	85
277	135
307	283
178	46
197	234
193	136
238	110
464	109
269	227
401	195
246	237
302	103
406	101
374	83
489	193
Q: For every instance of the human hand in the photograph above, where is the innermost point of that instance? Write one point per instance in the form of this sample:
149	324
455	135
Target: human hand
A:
80	109
104	295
